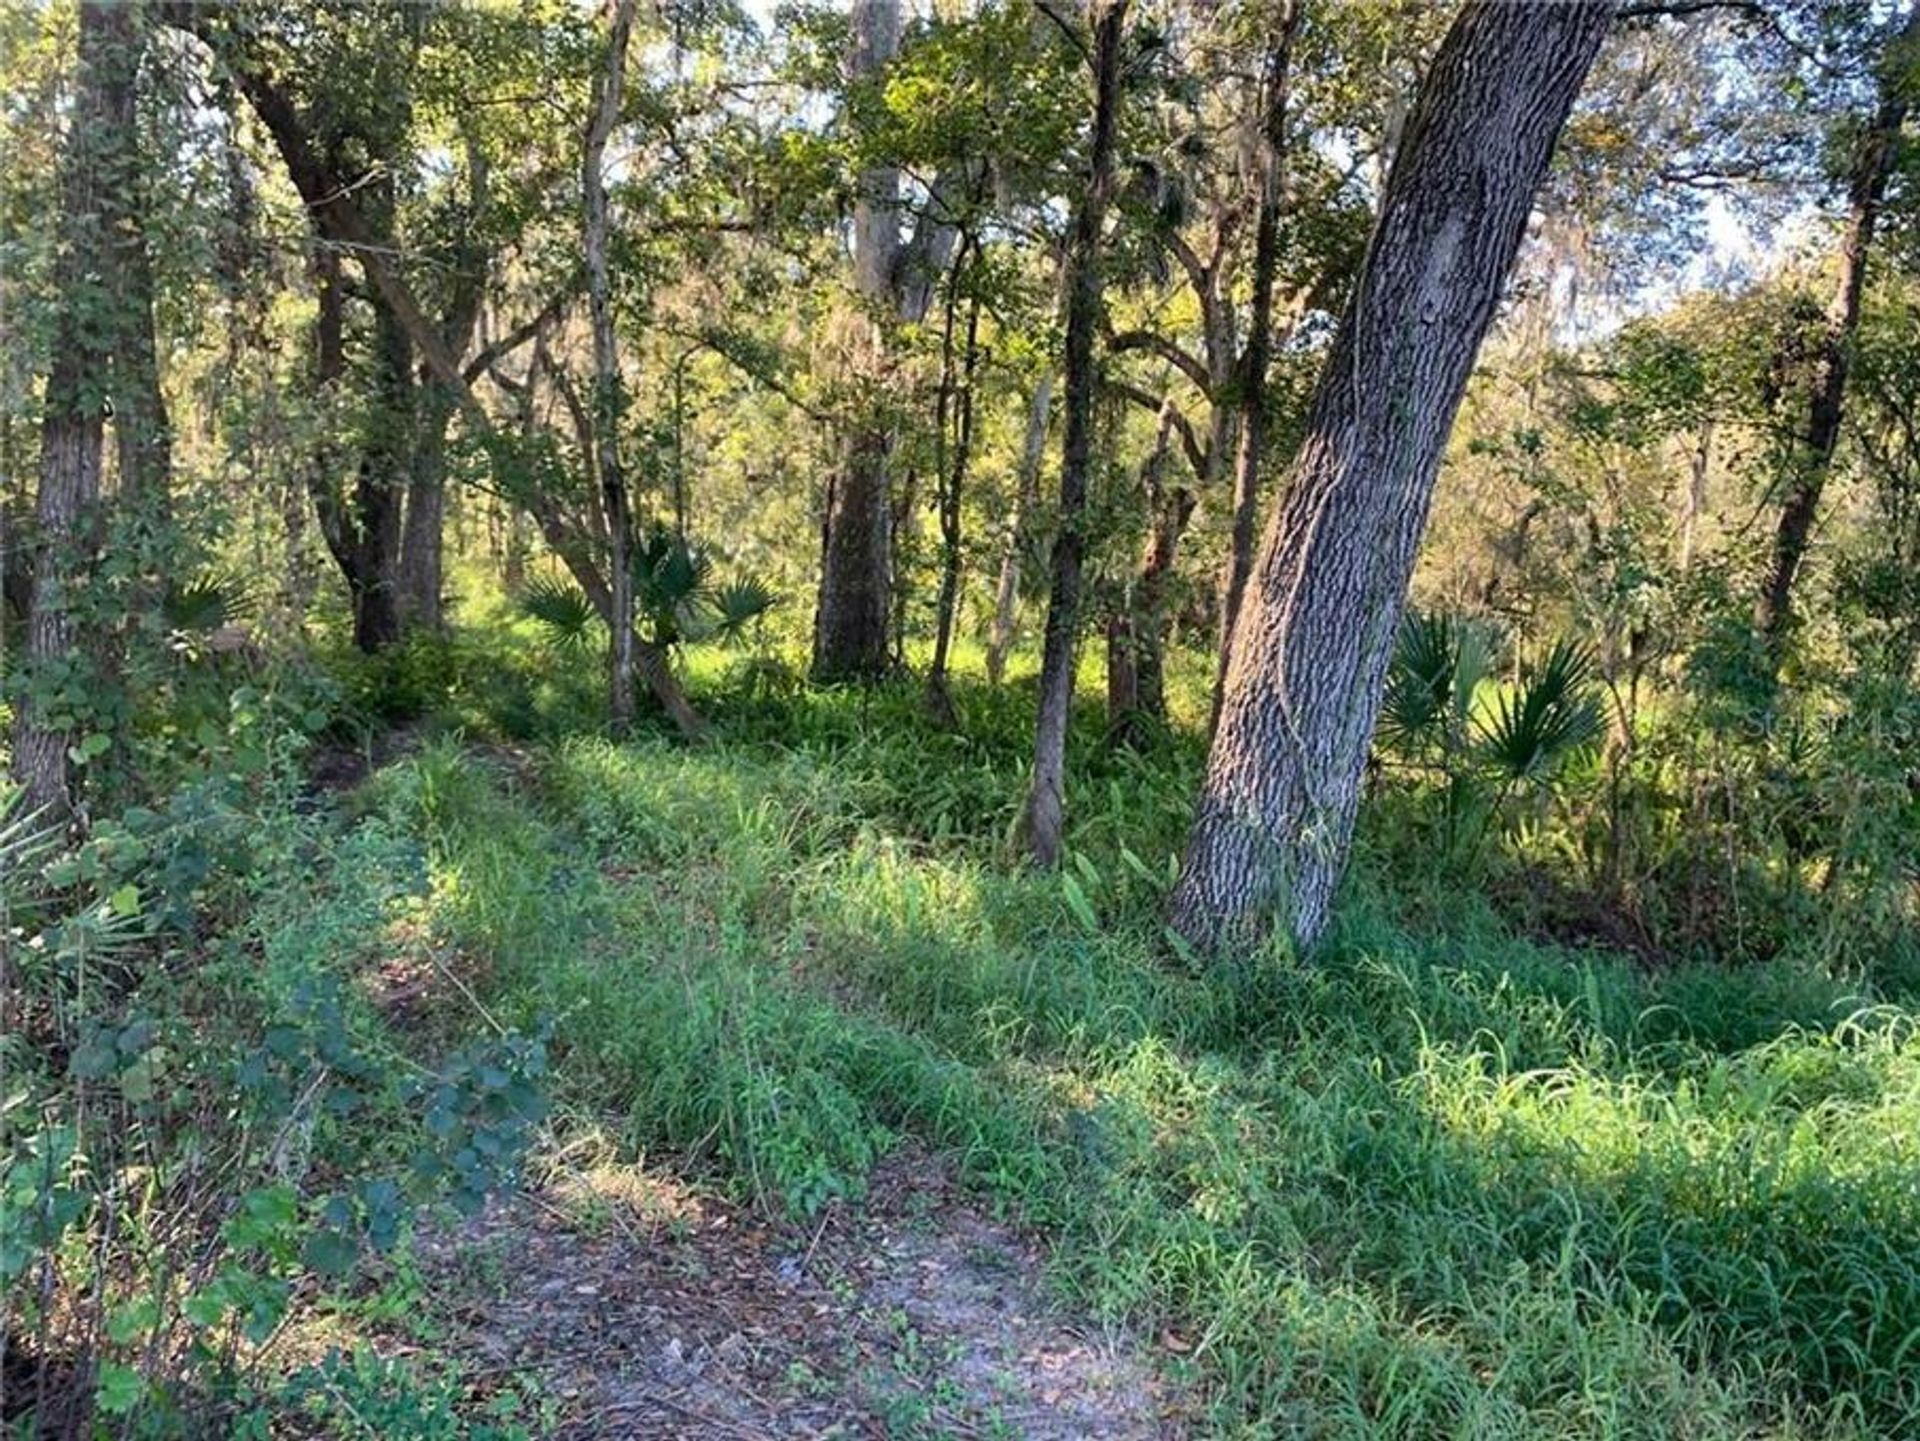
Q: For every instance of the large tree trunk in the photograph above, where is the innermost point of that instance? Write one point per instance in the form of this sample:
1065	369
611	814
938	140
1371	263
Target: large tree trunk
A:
1045	814
854	608
1872	166
1006	590
1311	646
67	532
1254	363
606	371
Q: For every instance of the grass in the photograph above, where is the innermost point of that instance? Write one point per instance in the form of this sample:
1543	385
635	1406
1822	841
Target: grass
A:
1439	1181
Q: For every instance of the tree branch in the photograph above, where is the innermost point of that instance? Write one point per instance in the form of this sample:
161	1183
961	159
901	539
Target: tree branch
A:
1156	344
1189	443
490	355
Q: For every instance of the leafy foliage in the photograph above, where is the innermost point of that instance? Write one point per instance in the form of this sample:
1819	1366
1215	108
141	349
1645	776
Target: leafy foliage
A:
564	613
210	601
1537	727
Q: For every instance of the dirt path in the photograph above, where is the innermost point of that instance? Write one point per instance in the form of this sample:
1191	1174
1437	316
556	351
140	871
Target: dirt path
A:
645	1311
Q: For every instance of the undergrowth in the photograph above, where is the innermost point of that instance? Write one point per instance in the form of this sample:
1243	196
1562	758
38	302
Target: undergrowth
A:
1438	1180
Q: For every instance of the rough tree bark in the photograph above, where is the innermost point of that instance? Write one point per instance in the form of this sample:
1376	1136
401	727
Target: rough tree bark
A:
1006	589
607	88
1272	151
72	431
1866	192
1045	813
1310	649
850	627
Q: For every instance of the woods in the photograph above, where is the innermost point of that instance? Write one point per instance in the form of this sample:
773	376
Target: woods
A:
1261	658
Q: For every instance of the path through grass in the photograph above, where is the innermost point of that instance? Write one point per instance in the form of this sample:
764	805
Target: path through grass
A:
1451	1183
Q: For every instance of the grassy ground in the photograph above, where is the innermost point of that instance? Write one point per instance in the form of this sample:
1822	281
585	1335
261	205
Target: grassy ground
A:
1439	1181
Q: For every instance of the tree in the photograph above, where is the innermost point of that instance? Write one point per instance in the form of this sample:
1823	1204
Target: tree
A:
1006	587
1136	661
1871	165
951	462
104	305
1271	148
1045	813
607	388
1311	647
850	625
894	283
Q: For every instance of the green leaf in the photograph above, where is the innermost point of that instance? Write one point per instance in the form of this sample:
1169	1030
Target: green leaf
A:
1077	902
132	1320
330	1252
119	1388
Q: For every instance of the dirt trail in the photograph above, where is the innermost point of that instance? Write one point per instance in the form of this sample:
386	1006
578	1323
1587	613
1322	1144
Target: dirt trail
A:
646	1311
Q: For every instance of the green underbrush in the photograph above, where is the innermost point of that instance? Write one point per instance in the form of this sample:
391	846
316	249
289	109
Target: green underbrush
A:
1441	1179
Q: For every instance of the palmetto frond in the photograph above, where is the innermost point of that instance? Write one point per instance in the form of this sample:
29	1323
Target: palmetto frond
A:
563	611
1438	664
24	841
208	601
1534	729
739	603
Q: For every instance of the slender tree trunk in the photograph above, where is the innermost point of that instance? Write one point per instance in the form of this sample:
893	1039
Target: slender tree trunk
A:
422	544
1135	712
854	609
1315	632
1045	815
1253	380
1695	503
1006	590
142	434
422	548
903	526
606	369
380	491
1872	166
953	484
72	433
1136	630
329	366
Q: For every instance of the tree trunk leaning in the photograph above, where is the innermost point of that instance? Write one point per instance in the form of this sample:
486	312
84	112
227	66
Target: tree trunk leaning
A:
1311	646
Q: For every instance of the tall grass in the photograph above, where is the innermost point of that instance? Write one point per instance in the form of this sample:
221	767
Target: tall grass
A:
1438	1181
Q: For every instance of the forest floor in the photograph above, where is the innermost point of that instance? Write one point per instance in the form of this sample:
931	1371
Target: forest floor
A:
860	1128
639	1307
